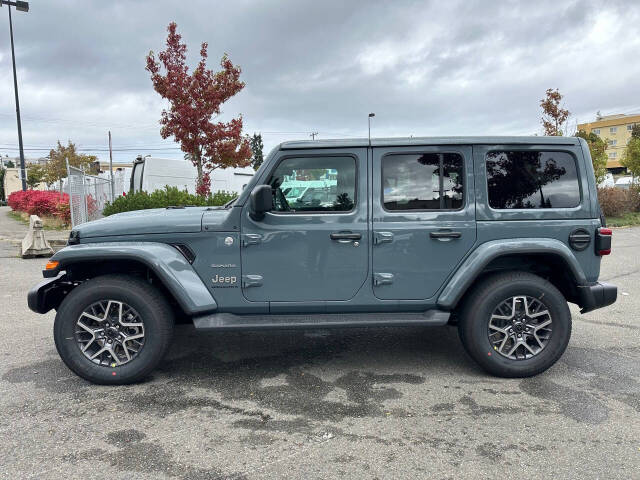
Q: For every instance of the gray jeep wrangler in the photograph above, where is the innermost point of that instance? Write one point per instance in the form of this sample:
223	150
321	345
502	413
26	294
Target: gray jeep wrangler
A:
495	235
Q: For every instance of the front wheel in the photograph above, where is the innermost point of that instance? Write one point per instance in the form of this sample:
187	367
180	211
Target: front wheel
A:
515	324
113	329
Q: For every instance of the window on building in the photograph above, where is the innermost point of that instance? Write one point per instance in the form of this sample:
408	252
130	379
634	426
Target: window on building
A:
532	179
630	127
613	154
613	130
596	131
613	142
314	184
429	181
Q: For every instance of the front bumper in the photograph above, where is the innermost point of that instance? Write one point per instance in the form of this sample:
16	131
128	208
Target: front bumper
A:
597	295
47	294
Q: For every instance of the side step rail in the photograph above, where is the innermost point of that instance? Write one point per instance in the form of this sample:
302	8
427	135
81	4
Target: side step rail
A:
230	321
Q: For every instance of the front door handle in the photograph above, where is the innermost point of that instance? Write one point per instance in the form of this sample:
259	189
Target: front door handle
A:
445	234
345	236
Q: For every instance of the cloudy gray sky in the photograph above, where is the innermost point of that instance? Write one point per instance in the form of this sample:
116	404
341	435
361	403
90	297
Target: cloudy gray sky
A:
424	68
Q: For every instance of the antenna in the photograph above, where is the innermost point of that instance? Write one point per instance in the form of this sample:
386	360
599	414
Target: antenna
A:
371	115
313	135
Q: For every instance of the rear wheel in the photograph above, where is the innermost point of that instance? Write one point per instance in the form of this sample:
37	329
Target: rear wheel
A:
515	324
113	329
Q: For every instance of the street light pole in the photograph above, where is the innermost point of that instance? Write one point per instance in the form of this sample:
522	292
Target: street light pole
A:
371	115
23	7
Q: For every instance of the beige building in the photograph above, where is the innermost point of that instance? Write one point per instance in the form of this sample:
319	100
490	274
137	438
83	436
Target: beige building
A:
616	131
13	183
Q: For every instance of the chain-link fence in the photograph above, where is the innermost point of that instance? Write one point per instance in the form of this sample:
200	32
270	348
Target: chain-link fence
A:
88	195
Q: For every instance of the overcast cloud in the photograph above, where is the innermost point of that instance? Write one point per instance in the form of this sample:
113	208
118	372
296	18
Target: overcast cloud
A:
424	68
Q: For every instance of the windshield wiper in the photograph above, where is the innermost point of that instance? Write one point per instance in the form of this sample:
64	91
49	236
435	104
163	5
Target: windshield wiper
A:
230	202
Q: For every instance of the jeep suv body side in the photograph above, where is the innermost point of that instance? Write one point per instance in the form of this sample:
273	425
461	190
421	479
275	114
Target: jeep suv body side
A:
388	232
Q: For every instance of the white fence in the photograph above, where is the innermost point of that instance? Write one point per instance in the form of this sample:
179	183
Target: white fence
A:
88	195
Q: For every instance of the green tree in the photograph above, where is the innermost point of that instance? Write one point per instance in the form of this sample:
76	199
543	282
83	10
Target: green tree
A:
597	148
631	156
56	168
9	164
35	175
635	131
256	148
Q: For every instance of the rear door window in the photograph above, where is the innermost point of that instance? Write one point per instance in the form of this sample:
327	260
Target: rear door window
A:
428	181
532	179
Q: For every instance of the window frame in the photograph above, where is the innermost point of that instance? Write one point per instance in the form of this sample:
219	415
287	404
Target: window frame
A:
613	130
524	210
318	212
464	187
596	131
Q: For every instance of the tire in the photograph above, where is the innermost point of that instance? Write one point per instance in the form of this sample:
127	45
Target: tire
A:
153	311
480	306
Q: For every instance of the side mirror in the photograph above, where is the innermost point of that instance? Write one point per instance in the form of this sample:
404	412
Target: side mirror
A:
261	201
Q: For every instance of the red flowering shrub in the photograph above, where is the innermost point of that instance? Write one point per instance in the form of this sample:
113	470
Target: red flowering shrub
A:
63	211
92	206
18	200
43	203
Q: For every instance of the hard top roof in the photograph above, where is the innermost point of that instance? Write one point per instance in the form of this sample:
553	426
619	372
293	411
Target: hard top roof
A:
418	141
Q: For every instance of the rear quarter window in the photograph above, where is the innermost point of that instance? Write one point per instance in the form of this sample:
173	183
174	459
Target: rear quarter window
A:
532	179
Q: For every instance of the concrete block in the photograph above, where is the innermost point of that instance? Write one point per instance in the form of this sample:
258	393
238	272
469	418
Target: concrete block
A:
34	244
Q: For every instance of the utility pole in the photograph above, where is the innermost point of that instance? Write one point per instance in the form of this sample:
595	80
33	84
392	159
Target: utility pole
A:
313	135
21	7
111	167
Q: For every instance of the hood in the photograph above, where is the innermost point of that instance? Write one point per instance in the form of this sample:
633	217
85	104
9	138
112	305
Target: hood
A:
157	220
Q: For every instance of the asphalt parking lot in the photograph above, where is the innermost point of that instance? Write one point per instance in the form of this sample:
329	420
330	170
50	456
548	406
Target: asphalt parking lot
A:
389	403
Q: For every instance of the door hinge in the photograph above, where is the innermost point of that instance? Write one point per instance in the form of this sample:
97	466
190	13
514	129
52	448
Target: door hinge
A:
251	239
382	279
382	237
251	281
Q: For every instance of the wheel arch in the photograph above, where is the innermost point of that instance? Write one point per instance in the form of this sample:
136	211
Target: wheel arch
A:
548	258
160	264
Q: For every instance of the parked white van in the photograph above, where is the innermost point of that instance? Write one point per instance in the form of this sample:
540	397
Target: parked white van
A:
151	174
624	183
608	181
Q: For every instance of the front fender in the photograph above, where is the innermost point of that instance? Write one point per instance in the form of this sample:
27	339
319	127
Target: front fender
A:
473	265
166	262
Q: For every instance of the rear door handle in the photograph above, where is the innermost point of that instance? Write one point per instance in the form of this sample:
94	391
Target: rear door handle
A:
345	236
445	234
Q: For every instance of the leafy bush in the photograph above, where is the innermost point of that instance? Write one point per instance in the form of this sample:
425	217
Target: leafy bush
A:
633	199
168	197
615	202
41	203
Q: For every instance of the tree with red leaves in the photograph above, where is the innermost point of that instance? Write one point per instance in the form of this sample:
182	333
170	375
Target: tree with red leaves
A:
193	100
553	115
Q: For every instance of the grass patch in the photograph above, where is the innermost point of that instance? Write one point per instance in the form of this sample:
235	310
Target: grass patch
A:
48	223
625	220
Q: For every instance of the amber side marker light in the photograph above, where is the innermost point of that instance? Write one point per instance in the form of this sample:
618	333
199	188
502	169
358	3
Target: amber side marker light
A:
51	265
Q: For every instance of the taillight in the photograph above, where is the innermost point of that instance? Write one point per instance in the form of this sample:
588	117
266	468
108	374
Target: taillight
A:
603	241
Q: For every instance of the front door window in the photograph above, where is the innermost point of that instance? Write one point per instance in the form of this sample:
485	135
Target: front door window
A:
314	184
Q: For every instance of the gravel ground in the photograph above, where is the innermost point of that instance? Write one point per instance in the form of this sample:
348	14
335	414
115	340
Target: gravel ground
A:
388	403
